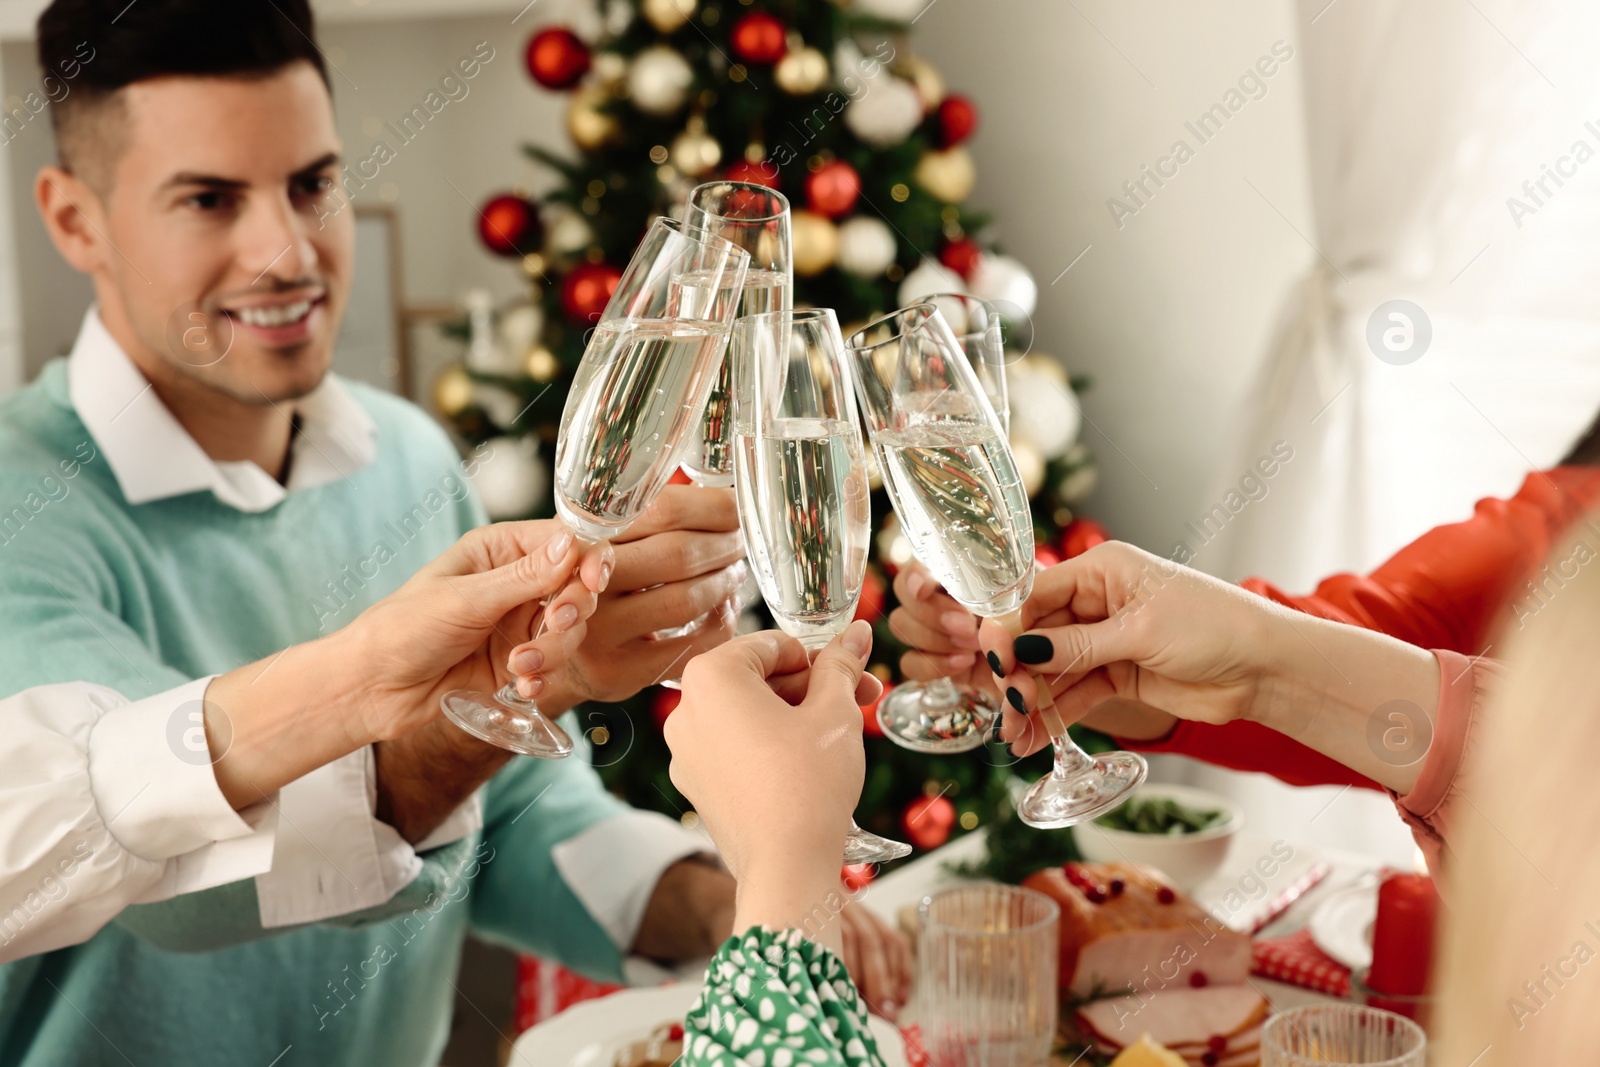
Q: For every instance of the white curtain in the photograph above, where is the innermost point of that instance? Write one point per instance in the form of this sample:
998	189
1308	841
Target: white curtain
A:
1423	119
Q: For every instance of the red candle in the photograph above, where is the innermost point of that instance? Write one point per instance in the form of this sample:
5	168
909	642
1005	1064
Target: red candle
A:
1402	935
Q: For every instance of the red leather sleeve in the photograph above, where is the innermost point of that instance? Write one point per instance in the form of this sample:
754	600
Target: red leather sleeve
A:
1445	590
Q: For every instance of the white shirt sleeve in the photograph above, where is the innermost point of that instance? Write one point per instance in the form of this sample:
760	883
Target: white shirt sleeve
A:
106	803
333	855
613	866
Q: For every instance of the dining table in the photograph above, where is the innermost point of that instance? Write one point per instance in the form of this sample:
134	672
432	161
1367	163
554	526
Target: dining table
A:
1239	893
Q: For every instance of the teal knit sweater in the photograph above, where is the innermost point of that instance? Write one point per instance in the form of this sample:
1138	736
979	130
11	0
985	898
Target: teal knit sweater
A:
143	598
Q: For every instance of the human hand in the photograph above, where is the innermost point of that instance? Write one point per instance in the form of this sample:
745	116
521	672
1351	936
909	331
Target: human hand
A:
1120	623
454	624
682	561
942	634
878	957
768	749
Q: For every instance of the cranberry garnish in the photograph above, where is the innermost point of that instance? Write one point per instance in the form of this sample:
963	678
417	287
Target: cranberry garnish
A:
1166	895
1217	1043
1094	895
675	1032
1209	1059
1117	886
1198	979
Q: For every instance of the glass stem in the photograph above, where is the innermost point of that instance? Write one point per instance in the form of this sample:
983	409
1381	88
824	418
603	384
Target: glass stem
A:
940	691
508	695
1071	760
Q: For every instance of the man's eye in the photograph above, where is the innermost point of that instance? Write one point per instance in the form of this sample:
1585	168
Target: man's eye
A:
316	186
208	201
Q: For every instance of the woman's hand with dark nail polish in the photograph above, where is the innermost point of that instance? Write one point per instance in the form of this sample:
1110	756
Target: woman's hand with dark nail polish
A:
1033	649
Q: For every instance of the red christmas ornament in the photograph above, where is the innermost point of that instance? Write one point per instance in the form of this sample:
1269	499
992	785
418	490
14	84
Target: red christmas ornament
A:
928	821
832	189
857	876
759	38
1045	556
1081	535
961	256
665	703
957	118
869	714
762	173
585	290
870	606
557	58
508	225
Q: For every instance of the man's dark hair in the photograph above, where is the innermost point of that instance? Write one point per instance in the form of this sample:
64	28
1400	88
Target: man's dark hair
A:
129	42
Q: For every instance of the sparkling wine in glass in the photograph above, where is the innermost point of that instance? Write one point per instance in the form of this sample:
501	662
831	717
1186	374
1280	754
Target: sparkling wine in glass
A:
801	472
647	370
941	716
950	474
756	218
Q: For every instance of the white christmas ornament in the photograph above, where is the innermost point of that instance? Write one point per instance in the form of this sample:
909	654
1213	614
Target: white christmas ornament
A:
1044	412
568	234
519	329
891	10
509	477
659	80
1005	282
927	278
887	114
866	246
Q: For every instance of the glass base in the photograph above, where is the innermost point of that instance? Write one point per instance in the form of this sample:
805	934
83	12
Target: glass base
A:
938	717
1103	783
507	720
862	846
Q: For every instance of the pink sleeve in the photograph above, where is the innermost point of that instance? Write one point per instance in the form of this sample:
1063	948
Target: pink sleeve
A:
1430	808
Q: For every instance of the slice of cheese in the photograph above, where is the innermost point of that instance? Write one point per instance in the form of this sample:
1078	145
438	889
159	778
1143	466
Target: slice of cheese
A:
1146	1053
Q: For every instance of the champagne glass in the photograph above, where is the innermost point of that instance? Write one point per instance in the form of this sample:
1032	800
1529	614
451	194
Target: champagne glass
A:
940	716
646	372
756	218
801	474
953	481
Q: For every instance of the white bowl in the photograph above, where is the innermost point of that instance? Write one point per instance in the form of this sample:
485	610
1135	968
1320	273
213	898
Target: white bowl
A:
1187	859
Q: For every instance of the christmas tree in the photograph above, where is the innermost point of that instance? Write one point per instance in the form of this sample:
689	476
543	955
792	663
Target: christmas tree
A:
827	103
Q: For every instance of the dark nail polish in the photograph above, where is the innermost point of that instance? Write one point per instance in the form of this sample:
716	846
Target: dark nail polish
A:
1014	695
994	665
1033	648
999	720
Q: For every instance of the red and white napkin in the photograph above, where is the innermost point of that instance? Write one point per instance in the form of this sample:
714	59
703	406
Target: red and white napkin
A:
1296	960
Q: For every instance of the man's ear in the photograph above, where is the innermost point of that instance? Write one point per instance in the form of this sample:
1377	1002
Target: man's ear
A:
74	216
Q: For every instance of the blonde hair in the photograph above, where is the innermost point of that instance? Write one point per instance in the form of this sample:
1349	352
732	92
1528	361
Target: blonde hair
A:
1519	966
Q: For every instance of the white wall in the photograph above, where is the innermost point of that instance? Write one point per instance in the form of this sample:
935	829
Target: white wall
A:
1168	314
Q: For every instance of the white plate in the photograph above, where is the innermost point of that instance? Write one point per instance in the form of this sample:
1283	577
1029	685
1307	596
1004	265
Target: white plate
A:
592	1033
1342	924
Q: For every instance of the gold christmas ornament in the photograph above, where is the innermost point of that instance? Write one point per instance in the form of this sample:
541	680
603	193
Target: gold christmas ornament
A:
695	152
588	126
948	175
452	391
1030	466
927	80
801	72
816	243
667	15
610	70
541	364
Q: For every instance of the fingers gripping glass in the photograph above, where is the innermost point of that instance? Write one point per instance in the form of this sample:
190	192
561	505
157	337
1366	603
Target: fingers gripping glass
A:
801	473
950	474
646	373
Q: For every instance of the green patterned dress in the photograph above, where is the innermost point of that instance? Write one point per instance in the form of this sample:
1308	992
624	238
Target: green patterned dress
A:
774	999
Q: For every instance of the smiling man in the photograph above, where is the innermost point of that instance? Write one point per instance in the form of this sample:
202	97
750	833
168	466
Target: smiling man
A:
219	476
